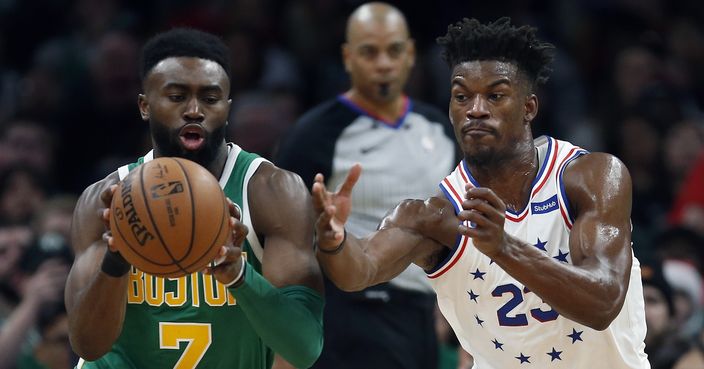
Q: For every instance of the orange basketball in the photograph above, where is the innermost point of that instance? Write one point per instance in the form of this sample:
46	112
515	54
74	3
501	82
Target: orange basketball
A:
169	217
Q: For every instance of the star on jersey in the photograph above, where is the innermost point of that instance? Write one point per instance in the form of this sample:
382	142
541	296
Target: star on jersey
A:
575	335
561	257
554	355
479	321
473	296
498	345
540	245
478	274
523	358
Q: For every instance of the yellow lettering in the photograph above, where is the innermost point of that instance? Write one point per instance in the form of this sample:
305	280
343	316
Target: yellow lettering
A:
135	289
195	296
214	292
177	298
154	290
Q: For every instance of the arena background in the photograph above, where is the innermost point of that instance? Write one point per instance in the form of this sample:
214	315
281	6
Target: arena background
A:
628	79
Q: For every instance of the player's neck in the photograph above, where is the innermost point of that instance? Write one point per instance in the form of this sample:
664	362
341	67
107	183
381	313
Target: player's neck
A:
388	111
511	177
217	166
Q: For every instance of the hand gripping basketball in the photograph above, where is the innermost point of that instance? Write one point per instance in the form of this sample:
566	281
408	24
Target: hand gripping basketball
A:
169	217
229	266
113	264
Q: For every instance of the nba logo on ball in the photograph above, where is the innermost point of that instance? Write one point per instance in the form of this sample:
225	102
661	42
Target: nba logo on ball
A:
166	189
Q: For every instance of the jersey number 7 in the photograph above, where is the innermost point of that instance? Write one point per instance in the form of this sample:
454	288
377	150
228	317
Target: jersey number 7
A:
196	334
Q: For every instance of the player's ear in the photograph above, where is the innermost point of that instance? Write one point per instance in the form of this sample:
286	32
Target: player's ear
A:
143	107
346	54
411	50
531	108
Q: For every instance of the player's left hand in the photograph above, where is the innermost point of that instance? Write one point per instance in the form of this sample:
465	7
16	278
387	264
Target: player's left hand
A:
486	213
333	209
228	263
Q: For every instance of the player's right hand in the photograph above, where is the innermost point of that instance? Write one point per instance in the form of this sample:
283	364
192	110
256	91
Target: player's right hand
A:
227	264
106	197
486	213
333	209
238	229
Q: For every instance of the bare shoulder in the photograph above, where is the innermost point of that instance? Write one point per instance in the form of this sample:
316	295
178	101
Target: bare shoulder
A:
98	187
280	196
278	184
597	170
87	225
91	196
598	178
596	163
433	218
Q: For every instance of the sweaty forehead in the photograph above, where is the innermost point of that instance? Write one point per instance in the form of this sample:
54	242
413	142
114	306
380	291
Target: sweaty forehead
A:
187	71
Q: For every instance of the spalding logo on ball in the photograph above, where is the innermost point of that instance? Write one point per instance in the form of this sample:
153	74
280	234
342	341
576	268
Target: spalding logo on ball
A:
169	217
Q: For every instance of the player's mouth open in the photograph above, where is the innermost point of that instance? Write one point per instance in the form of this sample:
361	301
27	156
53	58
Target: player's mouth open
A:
192	137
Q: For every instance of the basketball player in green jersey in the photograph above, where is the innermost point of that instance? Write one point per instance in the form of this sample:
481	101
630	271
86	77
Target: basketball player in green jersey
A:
265	296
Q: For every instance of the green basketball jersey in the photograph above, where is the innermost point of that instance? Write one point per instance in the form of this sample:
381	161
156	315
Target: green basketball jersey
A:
192	321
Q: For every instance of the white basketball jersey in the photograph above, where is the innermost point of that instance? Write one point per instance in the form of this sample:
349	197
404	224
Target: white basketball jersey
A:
499	321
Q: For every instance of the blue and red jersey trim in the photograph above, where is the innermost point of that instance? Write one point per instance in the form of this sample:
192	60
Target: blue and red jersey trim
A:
562	195
538	182
407	107
461	242
456	198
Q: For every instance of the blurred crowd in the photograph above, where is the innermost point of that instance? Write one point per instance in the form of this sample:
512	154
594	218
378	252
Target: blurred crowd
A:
628	79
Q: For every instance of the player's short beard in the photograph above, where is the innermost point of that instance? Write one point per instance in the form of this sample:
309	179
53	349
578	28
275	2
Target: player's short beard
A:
168	142
483	157
498	157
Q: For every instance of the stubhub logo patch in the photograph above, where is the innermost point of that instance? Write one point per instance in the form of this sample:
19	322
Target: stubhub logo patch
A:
544	206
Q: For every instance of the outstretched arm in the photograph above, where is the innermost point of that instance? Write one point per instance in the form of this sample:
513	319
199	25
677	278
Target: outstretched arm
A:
95	301
414	232
599	189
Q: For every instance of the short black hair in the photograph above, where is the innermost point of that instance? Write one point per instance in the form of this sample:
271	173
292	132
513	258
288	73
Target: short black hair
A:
471	40
187	42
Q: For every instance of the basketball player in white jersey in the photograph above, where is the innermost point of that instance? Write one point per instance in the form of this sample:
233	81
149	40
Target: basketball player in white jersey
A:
527	243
